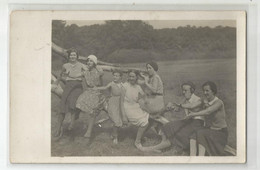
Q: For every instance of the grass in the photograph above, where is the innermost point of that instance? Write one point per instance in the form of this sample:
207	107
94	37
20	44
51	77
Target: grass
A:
173	74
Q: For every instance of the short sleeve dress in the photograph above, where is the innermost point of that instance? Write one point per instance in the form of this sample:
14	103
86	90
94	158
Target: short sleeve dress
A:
133	111
91	101
114	104
154	101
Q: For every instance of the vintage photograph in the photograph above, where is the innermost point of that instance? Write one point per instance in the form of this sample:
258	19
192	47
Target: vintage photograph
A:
143	88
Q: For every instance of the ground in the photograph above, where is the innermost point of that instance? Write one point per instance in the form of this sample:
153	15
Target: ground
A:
173	73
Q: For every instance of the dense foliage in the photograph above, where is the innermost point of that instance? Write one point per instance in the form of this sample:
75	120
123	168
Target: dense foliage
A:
137	41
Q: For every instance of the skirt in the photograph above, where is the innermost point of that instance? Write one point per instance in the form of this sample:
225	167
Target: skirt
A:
91	101
114	110
71	92
152	104
135	114
214	141
180	131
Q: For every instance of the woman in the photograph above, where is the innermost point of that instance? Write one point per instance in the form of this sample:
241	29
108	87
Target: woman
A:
178	132
213	138
132	92
154	101
91	101
72	73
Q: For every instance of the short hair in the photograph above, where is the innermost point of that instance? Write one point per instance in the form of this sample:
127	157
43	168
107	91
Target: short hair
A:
71	50
212	86
153	64
133	71
117	71
189	83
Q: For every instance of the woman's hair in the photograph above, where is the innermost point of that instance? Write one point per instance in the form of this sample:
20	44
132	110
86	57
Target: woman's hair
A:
133	71
212	86
189	83
93	62
117	71
71	50
153	64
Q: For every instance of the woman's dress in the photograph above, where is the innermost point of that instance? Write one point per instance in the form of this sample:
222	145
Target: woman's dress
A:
114	104
214	136
133	111
154	101
91	101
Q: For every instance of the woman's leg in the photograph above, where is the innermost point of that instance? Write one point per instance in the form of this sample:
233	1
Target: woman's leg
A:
61	117
165	143
202	150
140	133
72	121
115	134
193	147
91	123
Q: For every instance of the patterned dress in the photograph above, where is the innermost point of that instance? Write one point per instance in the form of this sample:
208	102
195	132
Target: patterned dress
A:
91	101
114	104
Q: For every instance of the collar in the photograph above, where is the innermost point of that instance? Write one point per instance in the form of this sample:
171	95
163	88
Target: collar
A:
193	98
212	101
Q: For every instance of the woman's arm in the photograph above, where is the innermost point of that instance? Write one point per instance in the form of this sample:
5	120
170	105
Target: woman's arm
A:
122	99
153	86
209	110
104	87
59	77
191	105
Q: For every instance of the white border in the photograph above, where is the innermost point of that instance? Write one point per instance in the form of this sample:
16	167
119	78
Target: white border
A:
253	80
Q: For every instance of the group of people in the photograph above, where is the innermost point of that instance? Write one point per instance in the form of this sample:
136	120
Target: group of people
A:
203	130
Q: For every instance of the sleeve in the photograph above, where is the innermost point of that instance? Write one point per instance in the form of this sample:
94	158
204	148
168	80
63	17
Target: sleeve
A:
140	90
84	67
124	85
100	71
154	84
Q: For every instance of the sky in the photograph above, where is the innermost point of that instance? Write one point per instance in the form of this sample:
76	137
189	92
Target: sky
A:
166	23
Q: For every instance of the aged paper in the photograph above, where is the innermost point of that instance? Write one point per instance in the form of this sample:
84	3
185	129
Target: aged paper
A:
31	44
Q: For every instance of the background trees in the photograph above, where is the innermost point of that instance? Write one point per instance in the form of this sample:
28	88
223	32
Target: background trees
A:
137	41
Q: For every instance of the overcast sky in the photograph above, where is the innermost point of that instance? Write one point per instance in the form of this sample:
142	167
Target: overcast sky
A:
167	23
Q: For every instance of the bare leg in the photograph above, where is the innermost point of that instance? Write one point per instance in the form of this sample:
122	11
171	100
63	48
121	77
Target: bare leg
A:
61	117
90	125
193	147
140	133
115	134
72	122
202	150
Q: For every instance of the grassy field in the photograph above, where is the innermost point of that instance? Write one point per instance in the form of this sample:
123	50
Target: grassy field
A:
173	73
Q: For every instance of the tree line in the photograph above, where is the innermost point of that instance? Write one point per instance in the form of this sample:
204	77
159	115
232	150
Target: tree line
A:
137	41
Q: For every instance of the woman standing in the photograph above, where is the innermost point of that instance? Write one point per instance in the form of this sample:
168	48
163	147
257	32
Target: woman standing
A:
72	72
213	138
154	101
132	92
91	101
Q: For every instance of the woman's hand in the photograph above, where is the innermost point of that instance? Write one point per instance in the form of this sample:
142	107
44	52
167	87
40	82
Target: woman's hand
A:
146	78
170	106
190	115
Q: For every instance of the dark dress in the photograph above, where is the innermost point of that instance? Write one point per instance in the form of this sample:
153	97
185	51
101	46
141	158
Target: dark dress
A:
73	87
214	136
180	131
